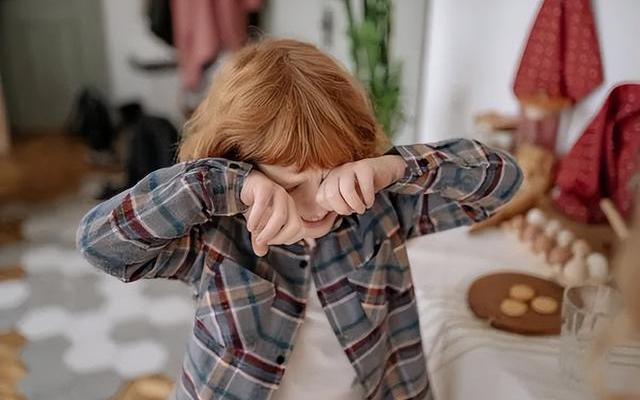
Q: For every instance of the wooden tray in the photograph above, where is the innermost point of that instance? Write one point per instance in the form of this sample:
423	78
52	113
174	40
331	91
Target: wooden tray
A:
486	293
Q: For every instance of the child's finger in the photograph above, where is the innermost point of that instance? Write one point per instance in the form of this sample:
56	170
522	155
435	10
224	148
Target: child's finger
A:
291	232
263	221
276	221
259	249
348	192
335	200
258	208
365	183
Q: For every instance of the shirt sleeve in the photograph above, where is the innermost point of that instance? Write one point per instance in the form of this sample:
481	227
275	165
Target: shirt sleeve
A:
451	183
152	229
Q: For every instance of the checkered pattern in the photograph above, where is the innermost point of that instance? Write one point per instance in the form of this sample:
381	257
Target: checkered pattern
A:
185	222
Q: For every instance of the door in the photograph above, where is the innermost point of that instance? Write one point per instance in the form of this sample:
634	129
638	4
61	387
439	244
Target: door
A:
49	49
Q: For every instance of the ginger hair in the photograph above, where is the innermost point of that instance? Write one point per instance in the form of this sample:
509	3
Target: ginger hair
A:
283	102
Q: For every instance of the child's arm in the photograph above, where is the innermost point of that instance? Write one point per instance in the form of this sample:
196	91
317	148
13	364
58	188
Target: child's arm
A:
450	184
151	229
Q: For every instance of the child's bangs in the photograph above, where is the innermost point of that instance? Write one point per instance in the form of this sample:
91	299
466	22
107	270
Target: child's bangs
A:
312	130
322	149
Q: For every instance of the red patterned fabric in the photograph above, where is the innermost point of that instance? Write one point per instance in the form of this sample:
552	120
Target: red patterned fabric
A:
561	62
603	160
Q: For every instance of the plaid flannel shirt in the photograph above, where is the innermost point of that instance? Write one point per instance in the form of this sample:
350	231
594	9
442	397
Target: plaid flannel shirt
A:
185	222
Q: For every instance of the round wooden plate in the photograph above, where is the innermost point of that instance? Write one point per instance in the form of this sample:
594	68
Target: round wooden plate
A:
486	293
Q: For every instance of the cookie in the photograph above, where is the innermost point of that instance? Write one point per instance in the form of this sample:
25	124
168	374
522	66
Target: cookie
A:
513	308
521	292
544	305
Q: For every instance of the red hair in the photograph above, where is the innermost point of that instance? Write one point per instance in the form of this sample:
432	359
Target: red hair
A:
283	102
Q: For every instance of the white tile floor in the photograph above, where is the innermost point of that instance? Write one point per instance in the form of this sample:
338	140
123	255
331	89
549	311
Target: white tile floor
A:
87	333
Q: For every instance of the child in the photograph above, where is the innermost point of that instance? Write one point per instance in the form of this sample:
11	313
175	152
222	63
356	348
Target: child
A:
289	221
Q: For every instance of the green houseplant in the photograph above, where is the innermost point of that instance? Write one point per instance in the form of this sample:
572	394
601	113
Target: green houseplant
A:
369	37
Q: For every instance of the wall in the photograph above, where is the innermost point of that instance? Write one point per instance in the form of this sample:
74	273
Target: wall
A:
302	19
473	50
126	36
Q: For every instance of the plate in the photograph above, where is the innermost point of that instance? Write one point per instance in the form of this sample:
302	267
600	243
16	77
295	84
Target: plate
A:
486	293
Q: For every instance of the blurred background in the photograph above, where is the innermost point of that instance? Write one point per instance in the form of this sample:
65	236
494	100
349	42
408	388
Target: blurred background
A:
94	94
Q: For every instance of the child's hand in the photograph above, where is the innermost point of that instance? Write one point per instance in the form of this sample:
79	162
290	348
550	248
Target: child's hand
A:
351	187
272	217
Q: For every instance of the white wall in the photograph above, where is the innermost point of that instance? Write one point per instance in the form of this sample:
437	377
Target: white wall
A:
302	19
127	35
473	50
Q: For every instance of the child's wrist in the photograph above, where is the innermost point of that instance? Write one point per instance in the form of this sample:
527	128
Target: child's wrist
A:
397	165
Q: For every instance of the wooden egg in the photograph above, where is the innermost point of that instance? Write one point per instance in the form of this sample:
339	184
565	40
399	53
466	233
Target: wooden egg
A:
559	255
536	217
530	233
565	238
598	267
543	244
552	228
580	248
575	271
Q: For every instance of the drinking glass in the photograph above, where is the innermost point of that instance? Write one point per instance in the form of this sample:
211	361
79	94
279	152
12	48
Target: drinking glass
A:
586	311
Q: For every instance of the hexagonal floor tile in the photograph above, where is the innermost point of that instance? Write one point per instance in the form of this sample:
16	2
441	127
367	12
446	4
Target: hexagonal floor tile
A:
139	358
170	311
43	322
47	373
96	385
13	293
75	294
91	356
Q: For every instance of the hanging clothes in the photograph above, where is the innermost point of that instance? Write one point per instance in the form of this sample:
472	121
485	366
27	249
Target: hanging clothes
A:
203	28
604	159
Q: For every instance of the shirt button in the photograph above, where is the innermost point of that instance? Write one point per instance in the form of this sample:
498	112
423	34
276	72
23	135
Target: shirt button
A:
303	263
280	359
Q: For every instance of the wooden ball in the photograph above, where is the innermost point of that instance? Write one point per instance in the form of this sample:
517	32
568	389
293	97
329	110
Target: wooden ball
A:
536	217
580	248
598	267
530	233
559	255
565	238
543	244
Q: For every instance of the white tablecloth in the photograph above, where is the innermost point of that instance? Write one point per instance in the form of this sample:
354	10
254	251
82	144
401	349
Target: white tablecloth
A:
467	359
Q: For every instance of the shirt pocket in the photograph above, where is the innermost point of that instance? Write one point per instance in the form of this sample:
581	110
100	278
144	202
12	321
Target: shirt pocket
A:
368	280
234	305
380	278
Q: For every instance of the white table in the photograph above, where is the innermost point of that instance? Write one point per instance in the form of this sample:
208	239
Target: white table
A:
467	359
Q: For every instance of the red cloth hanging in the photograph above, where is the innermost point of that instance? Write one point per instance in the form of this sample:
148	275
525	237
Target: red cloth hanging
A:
604	159
202	28
561	61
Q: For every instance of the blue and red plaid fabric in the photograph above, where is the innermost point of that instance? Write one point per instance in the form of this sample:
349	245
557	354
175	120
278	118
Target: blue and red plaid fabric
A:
185	222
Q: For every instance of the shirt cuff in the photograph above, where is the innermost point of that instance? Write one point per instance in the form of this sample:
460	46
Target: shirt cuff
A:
224	181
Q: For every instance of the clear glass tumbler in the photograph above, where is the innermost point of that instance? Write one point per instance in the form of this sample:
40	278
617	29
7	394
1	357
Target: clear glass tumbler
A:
586	310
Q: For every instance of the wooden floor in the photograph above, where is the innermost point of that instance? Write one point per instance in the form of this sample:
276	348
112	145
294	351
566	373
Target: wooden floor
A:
42	167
